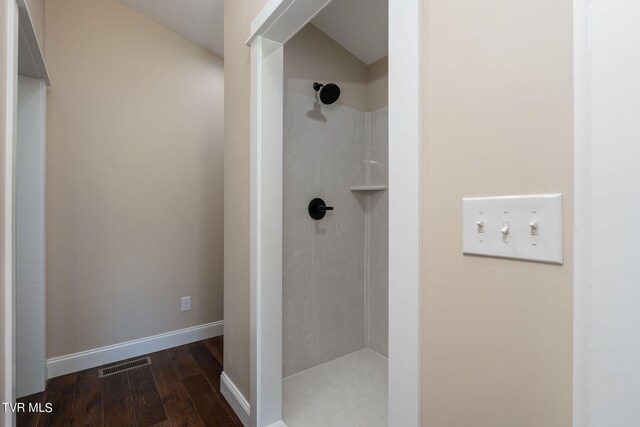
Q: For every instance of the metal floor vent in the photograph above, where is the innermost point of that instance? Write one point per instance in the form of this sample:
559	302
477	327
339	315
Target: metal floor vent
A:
126	366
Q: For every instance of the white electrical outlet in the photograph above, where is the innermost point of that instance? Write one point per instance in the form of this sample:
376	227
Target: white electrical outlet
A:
186	303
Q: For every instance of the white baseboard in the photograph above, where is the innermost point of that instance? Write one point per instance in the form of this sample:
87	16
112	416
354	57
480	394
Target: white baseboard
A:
235	398
62	365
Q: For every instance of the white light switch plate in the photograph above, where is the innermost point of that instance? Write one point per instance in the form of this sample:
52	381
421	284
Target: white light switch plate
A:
518	227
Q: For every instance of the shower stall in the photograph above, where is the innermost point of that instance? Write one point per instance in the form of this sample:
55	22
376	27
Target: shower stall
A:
335	236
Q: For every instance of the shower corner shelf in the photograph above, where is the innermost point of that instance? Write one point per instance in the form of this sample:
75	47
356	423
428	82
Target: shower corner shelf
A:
365	188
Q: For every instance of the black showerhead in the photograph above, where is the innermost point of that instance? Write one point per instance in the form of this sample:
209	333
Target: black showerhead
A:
328	93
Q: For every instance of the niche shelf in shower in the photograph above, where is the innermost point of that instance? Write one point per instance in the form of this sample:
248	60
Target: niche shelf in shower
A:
365	188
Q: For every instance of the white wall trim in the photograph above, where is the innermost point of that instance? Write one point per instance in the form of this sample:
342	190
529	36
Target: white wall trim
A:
267	63
278	21
267	16
582	217
62	365
9	336
32	43
238	402
30	305
405	214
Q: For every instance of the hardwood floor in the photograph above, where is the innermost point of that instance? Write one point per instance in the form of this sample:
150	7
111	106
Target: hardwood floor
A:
181	387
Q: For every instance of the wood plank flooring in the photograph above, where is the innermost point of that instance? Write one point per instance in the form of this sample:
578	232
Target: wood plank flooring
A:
181	387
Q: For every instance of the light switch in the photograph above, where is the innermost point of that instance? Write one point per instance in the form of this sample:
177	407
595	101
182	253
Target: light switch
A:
534	228
517	227
505	230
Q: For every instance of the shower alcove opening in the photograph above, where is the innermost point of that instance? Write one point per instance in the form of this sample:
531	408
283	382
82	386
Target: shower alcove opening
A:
335	264
346	292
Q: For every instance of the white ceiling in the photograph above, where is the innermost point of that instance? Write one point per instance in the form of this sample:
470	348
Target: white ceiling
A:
201	21
360	26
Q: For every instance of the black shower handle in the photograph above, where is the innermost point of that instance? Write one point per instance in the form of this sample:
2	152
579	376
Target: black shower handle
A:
318	209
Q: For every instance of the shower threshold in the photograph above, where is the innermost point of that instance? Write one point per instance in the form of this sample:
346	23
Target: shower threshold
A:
350	391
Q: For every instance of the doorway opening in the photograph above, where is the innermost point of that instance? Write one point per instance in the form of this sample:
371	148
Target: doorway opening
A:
335	220
278	25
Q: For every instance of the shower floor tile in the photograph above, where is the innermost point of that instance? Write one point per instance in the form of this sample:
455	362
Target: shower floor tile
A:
347	392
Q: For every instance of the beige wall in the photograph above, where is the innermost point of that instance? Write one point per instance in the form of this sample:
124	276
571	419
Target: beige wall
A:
378	84
310	56
3	142
134	177
497	121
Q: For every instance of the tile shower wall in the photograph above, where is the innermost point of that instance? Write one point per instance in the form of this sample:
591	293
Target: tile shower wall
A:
335	294
323	271
377	238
